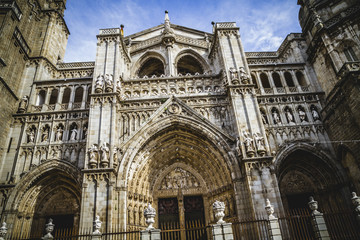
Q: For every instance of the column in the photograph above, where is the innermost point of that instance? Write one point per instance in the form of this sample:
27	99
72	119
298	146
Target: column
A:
83	101
257	75
47	99
60	96
283	82
296	82
271	81
72	96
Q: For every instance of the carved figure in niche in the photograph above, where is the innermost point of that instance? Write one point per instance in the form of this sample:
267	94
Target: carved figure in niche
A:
315	114
223	113
199	90
289	116
118	85
99	83
105	154
260	143
74	132
30	135
24	102
85	132
59	134
244	77
238	146
248	141
233	73
264	117
93	150
276	117
109	82
45	134
302	115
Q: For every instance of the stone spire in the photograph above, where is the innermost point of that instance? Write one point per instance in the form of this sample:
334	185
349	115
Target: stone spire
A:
168	29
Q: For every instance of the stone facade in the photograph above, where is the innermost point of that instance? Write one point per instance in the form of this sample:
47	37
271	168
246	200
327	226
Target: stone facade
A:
171	115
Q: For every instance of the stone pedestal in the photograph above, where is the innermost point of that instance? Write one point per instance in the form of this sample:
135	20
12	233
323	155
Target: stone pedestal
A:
222	231
274	229
96	236
153	234
319	226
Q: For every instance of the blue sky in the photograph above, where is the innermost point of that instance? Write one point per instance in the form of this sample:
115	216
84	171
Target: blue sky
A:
263	23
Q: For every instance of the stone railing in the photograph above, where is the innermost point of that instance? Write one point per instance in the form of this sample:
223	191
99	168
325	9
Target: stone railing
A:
260	54
201	84
109	31
225	25
76	65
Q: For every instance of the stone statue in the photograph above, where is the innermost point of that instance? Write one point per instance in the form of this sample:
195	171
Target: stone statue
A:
289	116
244	77
85	132
315	114
59	134
3	231
73	135
99	83
313	205
49	228
248	141
260	143
238	146
45	134
264	118
108	82
233	73
93	156
104	154
24	102
31	136
302	115
276	117
97	225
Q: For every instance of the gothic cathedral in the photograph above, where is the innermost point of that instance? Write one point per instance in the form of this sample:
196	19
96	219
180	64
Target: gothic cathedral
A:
175	117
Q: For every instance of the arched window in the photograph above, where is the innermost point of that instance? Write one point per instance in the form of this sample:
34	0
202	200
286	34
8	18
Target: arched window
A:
289	80
350	54
264	80
301	79
88	95
78	95
66	96
54	96
254	80
152	66
277	81
188	64
41	98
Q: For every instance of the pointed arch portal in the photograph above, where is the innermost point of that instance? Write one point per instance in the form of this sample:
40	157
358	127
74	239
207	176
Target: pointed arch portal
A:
175	164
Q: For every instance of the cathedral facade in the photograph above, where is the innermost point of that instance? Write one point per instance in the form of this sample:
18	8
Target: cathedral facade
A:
175	117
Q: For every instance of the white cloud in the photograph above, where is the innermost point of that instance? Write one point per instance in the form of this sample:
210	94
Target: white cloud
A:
262	26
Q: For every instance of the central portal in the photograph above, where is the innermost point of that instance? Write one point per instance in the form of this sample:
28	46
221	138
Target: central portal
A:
182	217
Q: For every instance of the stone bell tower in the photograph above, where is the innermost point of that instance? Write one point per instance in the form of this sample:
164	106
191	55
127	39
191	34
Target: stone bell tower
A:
252	146
102	151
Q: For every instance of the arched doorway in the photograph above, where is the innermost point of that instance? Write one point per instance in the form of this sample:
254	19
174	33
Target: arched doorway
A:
52	190
302	173
181	168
